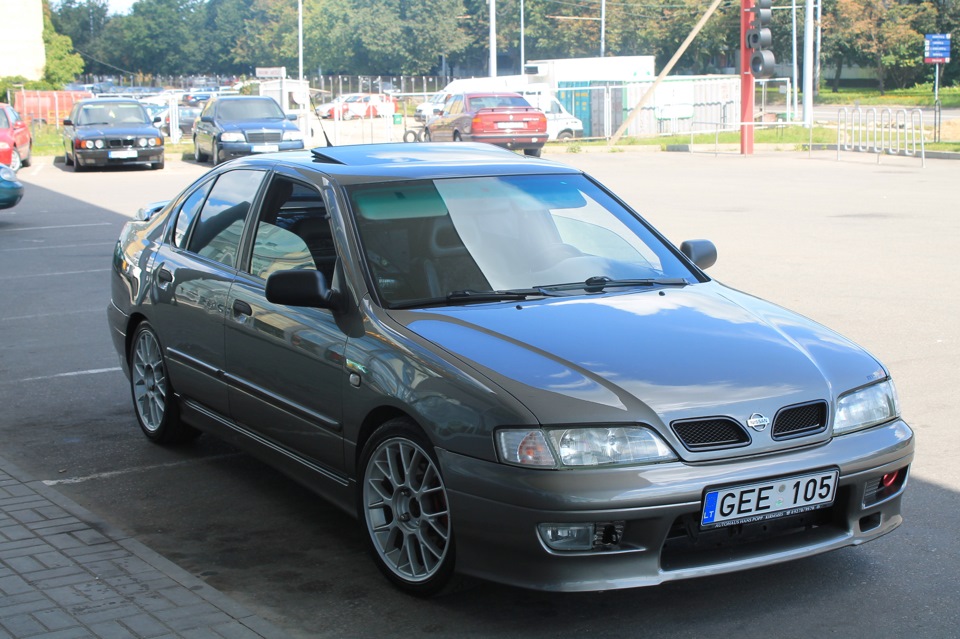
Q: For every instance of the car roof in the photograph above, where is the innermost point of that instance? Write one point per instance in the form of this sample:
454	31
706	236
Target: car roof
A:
366	163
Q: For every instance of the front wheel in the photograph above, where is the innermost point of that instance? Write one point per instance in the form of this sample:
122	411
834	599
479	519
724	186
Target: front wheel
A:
153	399
216	159
15	162
405	509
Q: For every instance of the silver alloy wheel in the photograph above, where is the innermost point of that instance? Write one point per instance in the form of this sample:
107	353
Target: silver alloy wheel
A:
149	380
406	509
15	162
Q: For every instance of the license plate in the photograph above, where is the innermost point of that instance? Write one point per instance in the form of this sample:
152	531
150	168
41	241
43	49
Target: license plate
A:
122	155
265	148
768	499
510	125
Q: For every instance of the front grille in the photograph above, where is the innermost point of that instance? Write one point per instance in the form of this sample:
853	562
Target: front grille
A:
710	434
797	421
117	143
264	137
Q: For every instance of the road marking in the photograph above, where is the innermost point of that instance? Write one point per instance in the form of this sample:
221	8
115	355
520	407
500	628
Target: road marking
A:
45	247
21	277
128	471
17	318
92	371
53	228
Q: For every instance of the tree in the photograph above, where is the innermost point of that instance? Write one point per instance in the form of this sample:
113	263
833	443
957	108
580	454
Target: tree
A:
62	65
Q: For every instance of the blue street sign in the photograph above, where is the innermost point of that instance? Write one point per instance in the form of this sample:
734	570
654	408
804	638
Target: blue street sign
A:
936	48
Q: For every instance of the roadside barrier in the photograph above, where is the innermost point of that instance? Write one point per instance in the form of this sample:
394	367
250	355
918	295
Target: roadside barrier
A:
883	132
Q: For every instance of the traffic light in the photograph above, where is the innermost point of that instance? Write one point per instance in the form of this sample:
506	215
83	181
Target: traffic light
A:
759	40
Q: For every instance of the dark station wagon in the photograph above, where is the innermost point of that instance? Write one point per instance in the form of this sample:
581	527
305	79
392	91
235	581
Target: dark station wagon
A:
501	369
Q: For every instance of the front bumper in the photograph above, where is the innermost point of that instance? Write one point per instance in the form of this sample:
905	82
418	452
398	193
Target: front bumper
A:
10	194
230	150
496	510
118	157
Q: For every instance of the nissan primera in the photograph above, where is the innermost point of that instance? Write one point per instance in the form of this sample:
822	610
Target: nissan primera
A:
501	369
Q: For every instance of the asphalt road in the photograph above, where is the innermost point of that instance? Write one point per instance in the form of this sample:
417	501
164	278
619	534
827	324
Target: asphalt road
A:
866	248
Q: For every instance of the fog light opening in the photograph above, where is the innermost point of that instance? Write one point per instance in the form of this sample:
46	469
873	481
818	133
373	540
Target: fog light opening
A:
891	483
603	535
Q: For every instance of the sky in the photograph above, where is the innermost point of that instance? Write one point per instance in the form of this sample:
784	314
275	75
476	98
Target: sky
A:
120	6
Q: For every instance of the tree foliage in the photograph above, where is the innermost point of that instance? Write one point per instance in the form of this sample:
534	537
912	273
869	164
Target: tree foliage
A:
410	37
62	64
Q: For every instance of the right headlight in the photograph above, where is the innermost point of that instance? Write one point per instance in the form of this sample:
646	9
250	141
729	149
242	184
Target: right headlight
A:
866	407
582	447
232	136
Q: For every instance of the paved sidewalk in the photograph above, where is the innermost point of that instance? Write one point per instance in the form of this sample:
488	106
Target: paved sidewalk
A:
65	574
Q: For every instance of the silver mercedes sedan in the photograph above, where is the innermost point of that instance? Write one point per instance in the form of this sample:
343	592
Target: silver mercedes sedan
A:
501	370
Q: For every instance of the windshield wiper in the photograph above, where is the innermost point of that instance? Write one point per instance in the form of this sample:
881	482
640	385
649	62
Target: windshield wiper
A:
600	283
471	295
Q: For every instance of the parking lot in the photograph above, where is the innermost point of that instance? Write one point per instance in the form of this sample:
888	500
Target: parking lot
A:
864	247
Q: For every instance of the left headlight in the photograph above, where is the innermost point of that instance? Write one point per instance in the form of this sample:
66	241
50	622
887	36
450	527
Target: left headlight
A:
232	136
582	447
7	173
866	407
291	136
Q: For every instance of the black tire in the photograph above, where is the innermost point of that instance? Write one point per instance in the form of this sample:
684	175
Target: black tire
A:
534	153
67	159
76	165
15	161
158	165
406	516
456	137
153	398
27	160
411	136
426	135
198	155
215	157
565	136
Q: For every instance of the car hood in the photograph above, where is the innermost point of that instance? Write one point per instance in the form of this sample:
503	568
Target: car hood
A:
655	355
97	131
248	125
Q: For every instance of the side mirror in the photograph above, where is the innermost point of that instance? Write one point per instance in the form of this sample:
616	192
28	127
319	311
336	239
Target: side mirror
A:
703	253
206	118
157	119
67	122
291	116
302	288
438	111
144	213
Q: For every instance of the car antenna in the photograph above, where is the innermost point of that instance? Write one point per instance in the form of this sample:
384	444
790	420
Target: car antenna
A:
322	130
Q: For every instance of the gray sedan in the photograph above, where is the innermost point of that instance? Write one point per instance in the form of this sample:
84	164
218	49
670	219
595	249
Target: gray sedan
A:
501	369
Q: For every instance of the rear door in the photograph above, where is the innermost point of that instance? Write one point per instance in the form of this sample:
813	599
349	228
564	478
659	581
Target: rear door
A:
192	275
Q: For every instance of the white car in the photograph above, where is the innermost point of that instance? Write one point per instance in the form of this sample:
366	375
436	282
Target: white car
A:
425	109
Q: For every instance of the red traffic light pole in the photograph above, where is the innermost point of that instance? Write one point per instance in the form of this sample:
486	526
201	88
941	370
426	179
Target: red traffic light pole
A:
746	81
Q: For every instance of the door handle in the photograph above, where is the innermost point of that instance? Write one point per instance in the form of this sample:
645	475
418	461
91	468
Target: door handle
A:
164	275
241	308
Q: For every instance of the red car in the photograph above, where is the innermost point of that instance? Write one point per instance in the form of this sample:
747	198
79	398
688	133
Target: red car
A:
16	141
503	119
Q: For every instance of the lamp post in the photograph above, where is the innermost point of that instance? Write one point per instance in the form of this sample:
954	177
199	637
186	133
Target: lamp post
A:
493	38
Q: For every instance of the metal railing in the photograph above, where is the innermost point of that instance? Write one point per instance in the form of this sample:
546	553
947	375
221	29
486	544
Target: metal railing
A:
883	132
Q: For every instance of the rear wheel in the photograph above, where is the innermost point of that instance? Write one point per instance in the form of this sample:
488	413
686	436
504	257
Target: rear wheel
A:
198	155
456	137
535	153
153	400
405	510
426	135
565	136
29	158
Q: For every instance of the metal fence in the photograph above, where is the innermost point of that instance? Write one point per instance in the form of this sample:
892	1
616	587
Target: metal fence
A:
881	131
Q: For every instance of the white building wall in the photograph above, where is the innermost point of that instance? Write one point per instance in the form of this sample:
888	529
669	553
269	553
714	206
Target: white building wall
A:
21	47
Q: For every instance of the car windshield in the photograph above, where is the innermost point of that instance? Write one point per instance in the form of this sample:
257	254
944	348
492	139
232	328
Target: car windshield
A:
509	237
112	113
255	109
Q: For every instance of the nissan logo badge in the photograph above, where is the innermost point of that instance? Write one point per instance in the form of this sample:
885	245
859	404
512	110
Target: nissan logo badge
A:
758	422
